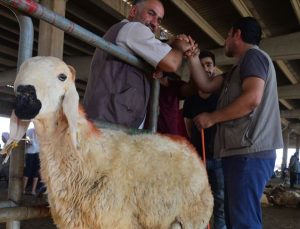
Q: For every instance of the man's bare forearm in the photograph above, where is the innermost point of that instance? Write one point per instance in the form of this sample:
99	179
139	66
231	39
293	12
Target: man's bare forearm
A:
201	79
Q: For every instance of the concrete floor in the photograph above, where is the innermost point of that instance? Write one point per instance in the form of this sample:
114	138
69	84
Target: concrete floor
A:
273	217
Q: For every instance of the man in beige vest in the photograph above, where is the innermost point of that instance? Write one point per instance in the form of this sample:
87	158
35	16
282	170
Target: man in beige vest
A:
248	122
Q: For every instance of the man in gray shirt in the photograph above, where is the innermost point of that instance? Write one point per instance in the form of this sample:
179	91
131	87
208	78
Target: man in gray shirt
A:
248	122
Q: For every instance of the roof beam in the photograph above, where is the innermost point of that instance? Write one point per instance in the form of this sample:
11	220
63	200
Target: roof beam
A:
286	104
285	122
295	127
296	7
241	7
7	62
285	47
7	77
7	91
245	11
289	92
118	9
85	16
81	65
198	20
8	51
69	41
290	113
287	71
201	23
6	108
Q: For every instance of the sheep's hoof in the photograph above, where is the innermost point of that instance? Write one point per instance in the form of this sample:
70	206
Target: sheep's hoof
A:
176	225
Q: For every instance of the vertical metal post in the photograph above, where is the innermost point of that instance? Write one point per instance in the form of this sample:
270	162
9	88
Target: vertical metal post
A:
30	7
286	138
297	142
154	105
16	167
26	38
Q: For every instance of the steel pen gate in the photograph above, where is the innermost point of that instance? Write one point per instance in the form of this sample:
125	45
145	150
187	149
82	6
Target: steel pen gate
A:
10	211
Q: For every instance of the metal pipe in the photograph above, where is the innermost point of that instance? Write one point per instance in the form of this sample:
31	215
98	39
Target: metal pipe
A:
30	7
25	51
26	38
154	105
23	213
112	126
15	184
16	167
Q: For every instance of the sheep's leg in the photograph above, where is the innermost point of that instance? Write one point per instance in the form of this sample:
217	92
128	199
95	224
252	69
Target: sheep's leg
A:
176	225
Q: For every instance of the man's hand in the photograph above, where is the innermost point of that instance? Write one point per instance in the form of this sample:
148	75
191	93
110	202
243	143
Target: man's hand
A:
158	74
204	120
182	37
182	43
193	52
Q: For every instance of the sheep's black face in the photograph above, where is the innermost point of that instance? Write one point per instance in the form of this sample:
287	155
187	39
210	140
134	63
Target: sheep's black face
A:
27	106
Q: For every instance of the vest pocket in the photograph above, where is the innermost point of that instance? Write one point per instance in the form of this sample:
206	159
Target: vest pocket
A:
129	105
236	133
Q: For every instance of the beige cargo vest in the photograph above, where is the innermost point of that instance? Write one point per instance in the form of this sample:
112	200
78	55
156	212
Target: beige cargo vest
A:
258	131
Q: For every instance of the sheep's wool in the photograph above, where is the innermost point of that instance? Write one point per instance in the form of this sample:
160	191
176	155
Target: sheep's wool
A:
108	179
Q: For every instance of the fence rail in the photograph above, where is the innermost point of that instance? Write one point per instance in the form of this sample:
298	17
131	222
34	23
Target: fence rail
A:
12	213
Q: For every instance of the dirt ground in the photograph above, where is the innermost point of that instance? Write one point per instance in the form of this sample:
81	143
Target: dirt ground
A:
273	217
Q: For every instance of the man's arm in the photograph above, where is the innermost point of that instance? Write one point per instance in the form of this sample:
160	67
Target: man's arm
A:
172	61
252	92
138	39
199	76
188	126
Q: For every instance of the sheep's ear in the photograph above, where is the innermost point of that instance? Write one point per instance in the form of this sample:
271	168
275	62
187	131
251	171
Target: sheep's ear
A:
73	72
17	131
70	109
17	127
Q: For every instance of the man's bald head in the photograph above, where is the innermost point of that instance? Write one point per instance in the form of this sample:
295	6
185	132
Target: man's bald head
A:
148	12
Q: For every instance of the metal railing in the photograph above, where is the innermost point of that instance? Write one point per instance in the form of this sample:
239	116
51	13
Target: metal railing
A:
10	212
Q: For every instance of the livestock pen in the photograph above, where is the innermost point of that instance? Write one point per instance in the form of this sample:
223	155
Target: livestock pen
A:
10	210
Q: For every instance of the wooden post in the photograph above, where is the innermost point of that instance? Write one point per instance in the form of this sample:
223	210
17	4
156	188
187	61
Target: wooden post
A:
51	39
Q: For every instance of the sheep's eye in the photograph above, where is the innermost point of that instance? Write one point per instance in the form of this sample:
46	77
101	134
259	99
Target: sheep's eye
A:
62	77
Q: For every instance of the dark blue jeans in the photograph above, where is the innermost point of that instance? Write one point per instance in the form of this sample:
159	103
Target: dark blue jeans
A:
216	180
245	179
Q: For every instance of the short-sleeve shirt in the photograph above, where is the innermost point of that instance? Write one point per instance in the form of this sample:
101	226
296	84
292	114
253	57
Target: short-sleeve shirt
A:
170	119
193	106
5	136
138	39
33	146
254	63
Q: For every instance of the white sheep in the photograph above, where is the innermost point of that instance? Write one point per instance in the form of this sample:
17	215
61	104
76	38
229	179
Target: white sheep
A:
105	178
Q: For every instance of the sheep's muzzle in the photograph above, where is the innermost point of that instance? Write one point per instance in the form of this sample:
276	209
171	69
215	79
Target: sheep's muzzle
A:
27	106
